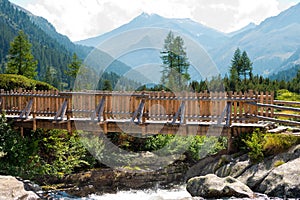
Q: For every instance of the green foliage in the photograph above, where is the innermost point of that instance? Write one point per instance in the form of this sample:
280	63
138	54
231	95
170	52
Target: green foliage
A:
73	69
175	74
41	153
15	150
260	145
196	147
20	59
278	143
12	81
240	65
60	152
286	95
254	144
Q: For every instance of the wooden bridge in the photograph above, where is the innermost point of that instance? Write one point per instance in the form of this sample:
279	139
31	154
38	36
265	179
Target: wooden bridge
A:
146	112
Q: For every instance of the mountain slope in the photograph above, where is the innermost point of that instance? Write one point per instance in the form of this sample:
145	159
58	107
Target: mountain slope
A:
50	48
269	44
46	50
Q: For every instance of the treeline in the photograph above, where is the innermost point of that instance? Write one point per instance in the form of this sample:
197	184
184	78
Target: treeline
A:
256	83
240	78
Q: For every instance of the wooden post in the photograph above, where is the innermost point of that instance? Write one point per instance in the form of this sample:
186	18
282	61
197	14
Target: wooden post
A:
272	102
229	109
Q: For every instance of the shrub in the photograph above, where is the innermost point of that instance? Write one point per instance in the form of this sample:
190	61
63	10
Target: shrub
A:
278	143
254	143
12	81
41	153
260	145
195	147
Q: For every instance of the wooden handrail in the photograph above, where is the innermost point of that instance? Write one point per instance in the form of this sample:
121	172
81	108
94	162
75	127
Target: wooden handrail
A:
275	106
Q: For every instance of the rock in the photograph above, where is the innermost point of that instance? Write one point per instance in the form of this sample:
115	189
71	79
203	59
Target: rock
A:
254	175
13	189
235	168
283	181
212	186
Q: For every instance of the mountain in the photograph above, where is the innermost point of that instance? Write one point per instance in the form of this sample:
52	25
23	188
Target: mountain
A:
139	43
271	45
206	36
242	30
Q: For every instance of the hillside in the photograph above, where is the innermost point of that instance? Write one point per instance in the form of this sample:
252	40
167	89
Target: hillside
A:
50	48
46	50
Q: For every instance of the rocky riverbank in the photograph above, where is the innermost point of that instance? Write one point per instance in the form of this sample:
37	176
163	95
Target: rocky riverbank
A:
100	181
11	189
217	176
276	176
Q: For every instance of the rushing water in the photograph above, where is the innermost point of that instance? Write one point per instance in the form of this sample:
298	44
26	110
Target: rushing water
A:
153	194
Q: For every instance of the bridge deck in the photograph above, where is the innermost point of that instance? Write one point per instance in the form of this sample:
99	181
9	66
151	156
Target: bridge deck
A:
145	113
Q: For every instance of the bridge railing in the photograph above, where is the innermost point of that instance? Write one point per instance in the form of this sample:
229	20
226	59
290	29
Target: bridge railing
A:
142	107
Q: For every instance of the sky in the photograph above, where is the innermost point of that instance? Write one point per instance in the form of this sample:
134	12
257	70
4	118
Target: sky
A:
82	19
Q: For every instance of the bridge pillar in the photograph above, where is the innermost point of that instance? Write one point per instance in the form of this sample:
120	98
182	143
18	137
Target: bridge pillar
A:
231	148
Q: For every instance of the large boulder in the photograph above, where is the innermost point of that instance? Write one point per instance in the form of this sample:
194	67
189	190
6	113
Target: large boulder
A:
254	175
12	189
283	181
212	186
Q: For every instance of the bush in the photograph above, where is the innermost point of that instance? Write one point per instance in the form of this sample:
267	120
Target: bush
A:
195	147
260	145
278	143
41	153
15	150
254	143
286	95
12	81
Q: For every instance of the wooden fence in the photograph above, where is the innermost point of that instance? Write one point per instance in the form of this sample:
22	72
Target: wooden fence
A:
143	107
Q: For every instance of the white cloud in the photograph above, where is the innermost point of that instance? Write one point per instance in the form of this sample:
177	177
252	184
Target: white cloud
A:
80	19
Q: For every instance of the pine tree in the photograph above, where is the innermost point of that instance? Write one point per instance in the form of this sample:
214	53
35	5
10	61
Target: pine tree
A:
20	59
73	69
175	74
107	85
236	64
246	65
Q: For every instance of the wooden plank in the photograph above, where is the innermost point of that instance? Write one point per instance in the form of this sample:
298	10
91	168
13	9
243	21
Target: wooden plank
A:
289	122
290	103
286	115
275	106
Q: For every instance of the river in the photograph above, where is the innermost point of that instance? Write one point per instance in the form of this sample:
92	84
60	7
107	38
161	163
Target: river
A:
177	193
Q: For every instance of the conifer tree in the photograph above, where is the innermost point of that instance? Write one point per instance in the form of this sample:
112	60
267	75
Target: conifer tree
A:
73	69
175	74
20	59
